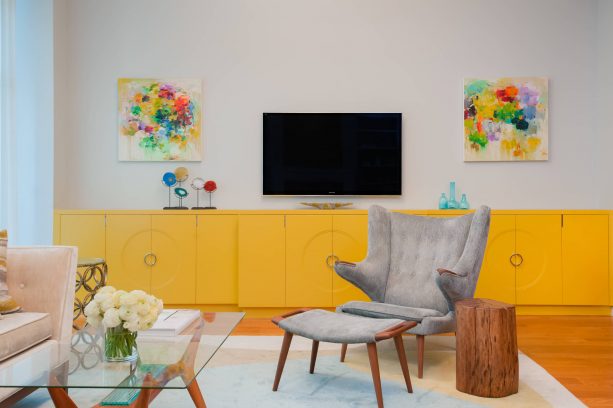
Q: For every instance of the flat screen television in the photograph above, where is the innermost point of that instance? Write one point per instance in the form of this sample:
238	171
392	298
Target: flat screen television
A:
327	154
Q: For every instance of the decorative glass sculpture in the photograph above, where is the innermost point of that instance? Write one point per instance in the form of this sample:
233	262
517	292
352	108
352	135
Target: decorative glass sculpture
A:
198	184
452	203
181	193
210	187
464	203
442	202
169	179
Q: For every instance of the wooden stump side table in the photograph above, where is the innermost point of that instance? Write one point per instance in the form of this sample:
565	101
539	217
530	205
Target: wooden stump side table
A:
486	348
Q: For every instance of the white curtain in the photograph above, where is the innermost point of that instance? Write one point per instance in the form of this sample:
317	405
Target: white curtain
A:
8	196
26	121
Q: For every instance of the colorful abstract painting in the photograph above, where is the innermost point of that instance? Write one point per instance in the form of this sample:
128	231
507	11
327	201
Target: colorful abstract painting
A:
505	119
160	120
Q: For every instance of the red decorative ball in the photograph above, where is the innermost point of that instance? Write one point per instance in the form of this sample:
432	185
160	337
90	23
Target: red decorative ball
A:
210	186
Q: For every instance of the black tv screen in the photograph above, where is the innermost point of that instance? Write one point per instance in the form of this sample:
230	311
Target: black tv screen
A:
332	154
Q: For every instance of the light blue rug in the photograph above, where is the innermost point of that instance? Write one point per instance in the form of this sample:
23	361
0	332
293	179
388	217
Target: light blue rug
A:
241	375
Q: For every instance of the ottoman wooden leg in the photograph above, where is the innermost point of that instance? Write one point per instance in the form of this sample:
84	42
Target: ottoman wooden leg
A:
420	355
343	352
287	339
374	368
313	356
402	357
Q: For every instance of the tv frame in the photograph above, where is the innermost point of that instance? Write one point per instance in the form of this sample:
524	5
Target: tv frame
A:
336	195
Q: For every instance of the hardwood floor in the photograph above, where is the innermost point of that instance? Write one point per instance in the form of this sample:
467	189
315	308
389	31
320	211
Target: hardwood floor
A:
576	350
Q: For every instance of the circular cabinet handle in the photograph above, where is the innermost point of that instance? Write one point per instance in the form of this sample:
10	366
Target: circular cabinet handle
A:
336	259
521	259
511	260
150	259
328	260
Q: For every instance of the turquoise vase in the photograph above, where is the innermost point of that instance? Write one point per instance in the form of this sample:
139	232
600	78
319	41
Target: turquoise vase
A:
464	203
442	202
452	203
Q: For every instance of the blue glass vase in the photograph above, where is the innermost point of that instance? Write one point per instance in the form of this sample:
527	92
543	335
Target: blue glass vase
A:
464	203
452	203
442	202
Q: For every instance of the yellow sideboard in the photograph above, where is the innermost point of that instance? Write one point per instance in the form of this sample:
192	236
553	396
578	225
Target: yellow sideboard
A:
544	261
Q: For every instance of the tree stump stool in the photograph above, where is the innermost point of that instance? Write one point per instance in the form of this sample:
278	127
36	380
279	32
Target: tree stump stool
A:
486	348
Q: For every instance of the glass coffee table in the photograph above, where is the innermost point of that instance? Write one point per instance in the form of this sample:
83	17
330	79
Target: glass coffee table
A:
164	362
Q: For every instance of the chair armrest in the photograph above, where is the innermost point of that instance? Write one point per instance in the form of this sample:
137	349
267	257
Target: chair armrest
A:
442	271
365	276
42	279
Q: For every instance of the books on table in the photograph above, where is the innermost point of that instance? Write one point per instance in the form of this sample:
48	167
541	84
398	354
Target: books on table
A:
172	322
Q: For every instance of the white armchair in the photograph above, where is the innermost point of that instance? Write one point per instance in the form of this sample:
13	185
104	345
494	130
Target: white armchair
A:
42	281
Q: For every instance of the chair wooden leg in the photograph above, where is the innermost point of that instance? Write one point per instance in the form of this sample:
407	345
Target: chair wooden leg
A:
343	352
402	358
287	339
313	356
374	368
420	355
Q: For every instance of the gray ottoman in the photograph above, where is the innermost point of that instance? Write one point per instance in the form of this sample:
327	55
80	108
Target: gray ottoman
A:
321	325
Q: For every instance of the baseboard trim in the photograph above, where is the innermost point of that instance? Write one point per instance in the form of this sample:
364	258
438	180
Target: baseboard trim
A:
564	310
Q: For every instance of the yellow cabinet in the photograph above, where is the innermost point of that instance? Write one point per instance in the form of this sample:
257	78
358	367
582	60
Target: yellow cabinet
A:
87	232
128	240
308	256
261	260
217	265
173	245
585	264
539	253
349	242
497	277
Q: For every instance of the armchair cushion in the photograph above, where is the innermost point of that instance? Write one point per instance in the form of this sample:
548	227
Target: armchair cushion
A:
7	303
388	311
20	331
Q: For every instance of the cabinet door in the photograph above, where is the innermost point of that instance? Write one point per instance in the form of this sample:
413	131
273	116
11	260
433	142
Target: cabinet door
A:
217	268
539	268
173	242
261	260
87	232
585	243
308	252
350	242
128	239
497	277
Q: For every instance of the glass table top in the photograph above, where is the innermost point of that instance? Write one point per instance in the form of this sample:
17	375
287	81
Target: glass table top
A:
164	362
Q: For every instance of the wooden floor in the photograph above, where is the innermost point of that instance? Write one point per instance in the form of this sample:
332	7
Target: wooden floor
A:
576	350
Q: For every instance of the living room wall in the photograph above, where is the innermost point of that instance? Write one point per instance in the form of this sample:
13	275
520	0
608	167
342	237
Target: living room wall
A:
406	56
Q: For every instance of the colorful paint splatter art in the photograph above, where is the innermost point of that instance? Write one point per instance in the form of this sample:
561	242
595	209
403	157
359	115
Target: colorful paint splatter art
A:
505	119
160	120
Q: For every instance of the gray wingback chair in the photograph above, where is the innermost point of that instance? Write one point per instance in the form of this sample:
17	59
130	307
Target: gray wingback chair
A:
417	268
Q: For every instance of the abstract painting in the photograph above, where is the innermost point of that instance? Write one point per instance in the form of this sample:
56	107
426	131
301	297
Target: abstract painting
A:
506	119
160	119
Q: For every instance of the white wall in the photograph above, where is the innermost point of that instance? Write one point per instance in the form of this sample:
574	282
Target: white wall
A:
406	56
605	102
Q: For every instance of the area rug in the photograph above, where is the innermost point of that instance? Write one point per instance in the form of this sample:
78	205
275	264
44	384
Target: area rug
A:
241	375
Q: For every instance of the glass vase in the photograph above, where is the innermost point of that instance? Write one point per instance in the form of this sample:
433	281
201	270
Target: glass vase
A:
120	344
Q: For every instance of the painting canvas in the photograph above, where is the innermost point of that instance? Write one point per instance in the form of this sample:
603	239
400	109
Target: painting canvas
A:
506	119
160	120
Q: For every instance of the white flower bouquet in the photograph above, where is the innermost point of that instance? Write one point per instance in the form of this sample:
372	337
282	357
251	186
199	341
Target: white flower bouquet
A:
122	314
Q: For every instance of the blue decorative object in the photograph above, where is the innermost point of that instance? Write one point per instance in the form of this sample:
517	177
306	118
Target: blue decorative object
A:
442	202
452	203
181	193
464	203
169	179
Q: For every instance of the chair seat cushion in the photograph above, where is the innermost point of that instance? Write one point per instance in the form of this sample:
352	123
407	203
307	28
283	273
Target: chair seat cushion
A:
388	311
20	331
331	327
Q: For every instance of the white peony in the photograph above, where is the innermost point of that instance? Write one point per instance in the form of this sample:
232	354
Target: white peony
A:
117	296
111	318
92	308
107	289
128	299
94	320
127	313
131	325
